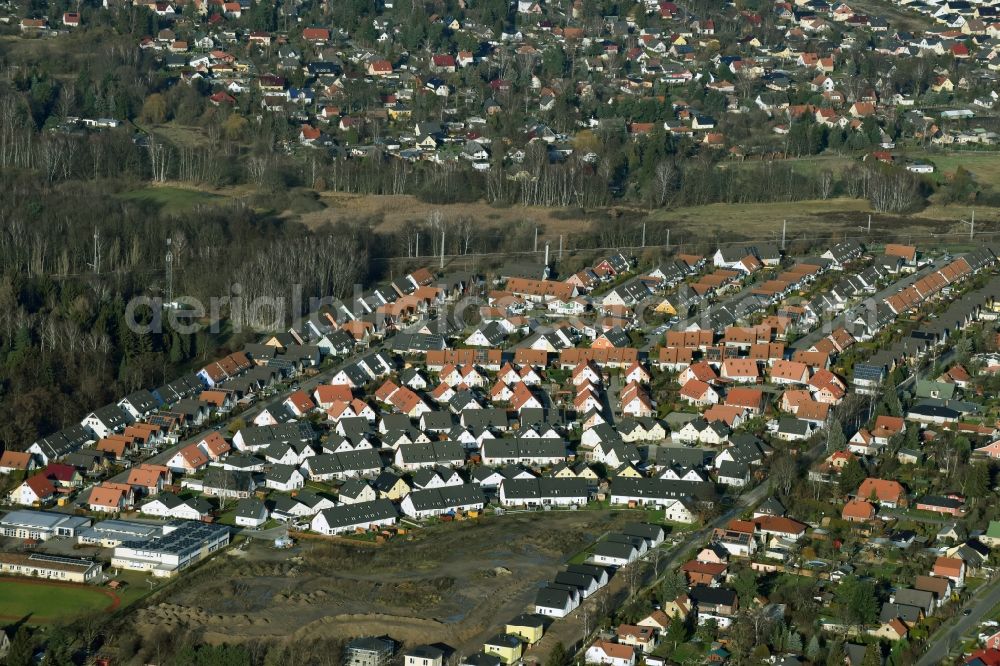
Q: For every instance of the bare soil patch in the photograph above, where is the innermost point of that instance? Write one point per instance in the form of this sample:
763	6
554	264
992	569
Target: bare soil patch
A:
455	583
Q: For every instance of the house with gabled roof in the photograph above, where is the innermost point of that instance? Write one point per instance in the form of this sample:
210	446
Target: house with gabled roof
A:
12	461
168	505
107	420
952	568
749	399
149	479
188	460
108	497
610	654
858	511
299	403
444	500
353	517
699	394
885	492
36	490
740	370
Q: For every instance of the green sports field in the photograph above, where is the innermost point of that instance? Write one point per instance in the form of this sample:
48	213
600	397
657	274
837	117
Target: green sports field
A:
41	601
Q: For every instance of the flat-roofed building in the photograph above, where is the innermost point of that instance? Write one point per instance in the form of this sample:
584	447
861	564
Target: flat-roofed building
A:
113	533
41	525
181	545
53	567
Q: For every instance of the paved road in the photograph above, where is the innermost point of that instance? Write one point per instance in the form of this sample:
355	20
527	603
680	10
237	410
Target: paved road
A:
747	500
570	630
950	634
825	328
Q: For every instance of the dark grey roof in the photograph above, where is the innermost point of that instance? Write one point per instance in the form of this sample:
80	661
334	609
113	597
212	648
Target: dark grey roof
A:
891	611
663	489
481	659
936	500
227	479
685	456
492	417
597	572
432	452
505	640
259	352
910	597
397	422
615	549
352	488
494	333
250	507
425	652
447	497
712	596
112	416
385	481
529	620
417	342
63	442
524	447
793	426
281	473
142	401
298	431
552	597
644	530
347	461
577	580
530	489
617	335
346	515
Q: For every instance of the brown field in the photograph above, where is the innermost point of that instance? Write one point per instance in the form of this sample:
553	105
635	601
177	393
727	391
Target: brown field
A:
390	212
689	226
808	219
456	583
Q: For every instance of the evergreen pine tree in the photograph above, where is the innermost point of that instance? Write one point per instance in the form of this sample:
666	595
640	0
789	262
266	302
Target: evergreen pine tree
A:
813	648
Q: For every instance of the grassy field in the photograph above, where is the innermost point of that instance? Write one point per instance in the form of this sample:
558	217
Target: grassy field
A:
43	603
984	166
173	199
767	214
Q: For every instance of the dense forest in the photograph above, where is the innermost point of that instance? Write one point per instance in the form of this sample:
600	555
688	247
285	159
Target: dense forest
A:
63	330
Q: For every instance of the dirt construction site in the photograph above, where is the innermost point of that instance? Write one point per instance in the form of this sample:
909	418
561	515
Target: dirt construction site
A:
457	583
